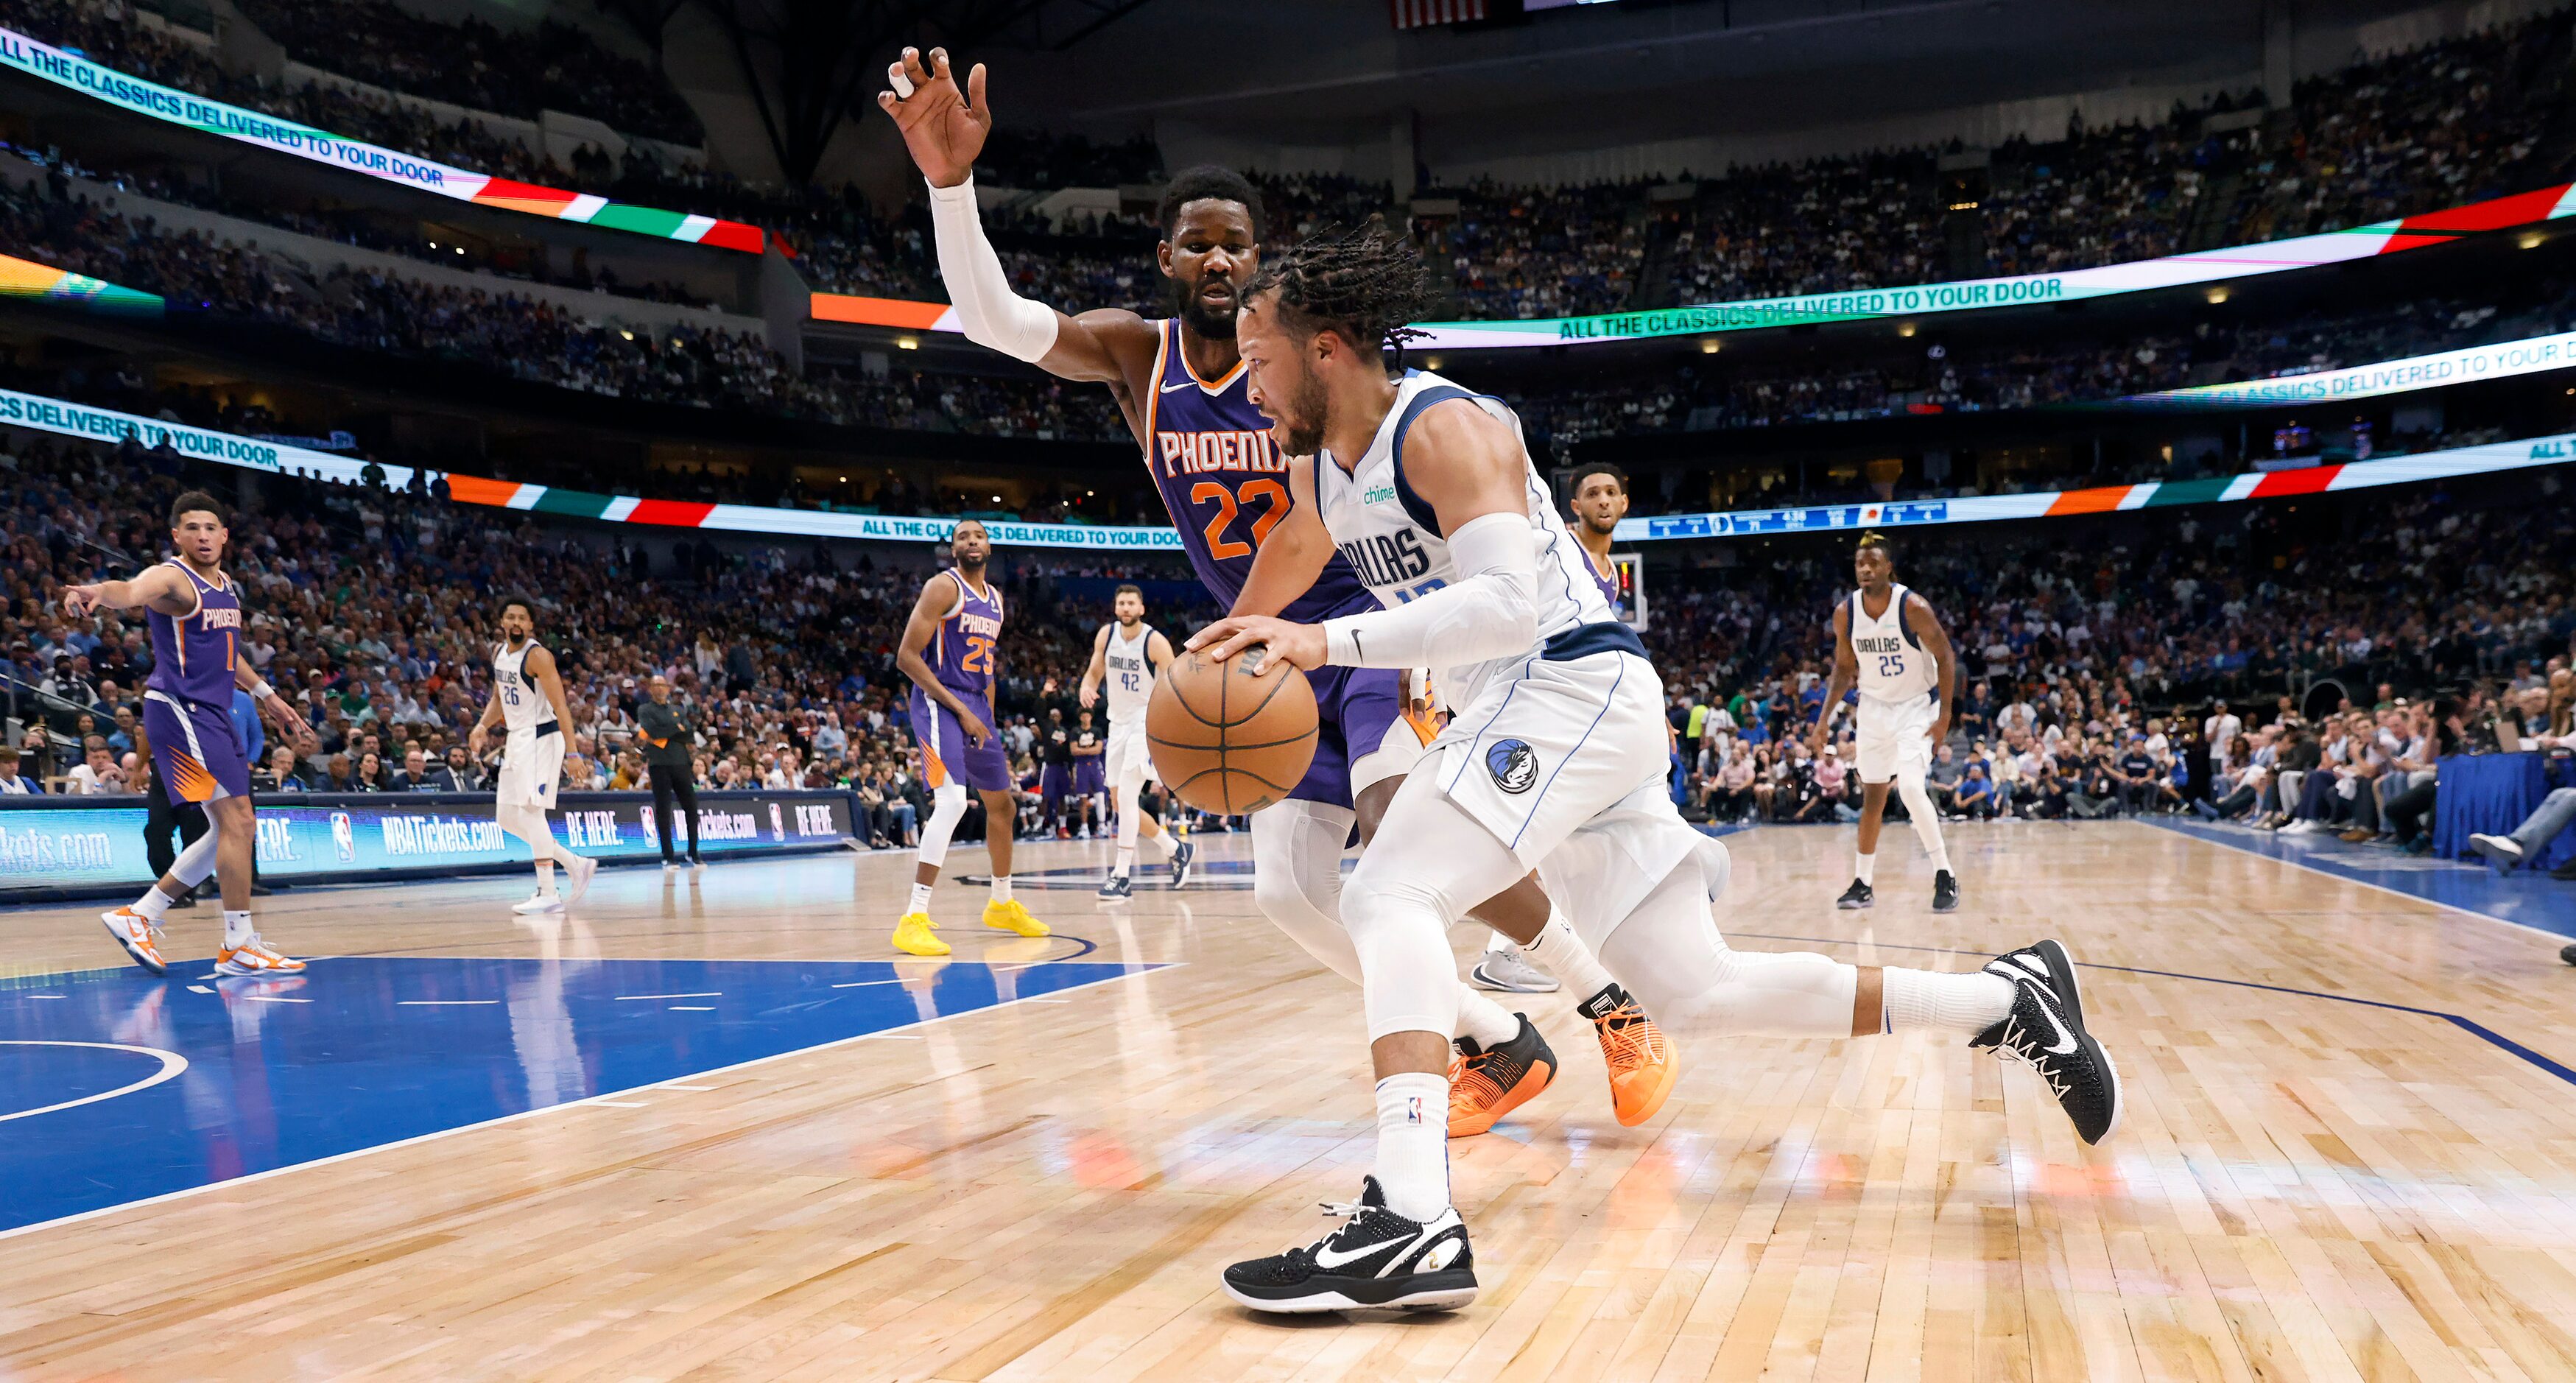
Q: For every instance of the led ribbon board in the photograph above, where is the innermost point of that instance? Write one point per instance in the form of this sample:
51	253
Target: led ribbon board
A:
25	278
2152	494
2504	360
38	413
1882	304
176	107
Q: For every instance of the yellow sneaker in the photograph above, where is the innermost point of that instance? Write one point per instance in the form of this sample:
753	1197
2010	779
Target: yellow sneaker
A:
1012	917
912	936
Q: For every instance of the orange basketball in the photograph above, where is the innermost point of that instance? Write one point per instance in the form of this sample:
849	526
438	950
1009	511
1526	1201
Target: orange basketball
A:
1226	741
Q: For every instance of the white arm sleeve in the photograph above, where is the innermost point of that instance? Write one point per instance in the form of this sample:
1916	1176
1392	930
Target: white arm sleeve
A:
991	314
1490	611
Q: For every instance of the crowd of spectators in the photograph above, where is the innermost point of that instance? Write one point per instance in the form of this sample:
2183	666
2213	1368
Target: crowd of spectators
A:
2444	124
546	66
375	612
2096	671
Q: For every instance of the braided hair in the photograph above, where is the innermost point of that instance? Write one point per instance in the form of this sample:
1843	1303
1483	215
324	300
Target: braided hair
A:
1363	284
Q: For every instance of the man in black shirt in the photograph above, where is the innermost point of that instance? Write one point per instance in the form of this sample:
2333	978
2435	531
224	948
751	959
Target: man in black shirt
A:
667	743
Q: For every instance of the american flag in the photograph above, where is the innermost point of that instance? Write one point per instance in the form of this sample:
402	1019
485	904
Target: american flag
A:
1415	14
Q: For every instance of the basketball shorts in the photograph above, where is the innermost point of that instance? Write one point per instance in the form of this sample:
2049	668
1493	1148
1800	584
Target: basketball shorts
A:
1557	741
1891	738
1087	776
1362	735
1128	760
947	758
1054	781
193	749
532	763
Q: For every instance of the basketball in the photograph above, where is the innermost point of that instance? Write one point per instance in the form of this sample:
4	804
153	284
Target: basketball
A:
1226	741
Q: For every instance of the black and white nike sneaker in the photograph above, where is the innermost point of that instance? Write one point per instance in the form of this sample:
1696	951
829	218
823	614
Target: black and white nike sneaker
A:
2045	1032
1117	888
1377	1260
1859	895
1182	855
1945	892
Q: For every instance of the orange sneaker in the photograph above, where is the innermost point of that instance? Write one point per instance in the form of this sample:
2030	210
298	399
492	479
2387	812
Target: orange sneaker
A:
1642	1062
139	935
1486	1083
252	958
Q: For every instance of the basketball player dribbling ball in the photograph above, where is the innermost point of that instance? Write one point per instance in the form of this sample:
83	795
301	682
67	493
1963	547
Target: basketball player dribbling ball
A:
1887	640
528	703
1126	655
952	651
195	618
1181	384
1555	756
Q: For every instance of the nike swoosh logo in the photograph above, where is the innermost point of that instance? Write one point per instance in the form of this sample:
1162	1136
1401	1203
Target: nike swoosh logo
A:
1328	1257
1184	384
2065	1040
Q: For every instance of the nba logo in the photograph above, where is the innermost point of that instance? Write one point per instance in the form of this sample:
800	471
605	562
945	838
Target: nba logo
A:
777	822
344	837
644	818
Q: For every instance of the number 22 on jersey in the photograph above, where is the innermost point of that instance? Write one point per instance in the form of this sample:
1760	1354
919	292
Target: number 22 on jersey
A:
1235	501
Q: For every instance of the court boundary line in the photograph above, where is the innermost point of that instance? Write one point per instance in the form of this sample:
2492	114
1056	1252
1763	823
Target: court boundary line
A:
2469	1025
165	1197
1089	948
173	1066
2176	828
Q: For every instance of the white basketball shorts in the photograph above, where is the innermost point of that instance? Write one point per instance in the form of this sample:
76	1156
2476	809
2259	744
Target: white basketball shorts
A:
1126	759
1892	738
531	770
1550	745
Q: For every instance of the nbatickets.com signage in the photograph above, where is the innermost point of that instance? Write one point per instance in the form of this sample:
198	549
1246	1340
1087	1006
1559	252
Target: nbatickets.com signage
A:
50	843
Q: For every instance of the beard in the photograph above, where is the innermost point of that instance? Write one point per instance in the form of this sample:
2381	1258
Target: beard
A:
1604	527
1207	319
1301	424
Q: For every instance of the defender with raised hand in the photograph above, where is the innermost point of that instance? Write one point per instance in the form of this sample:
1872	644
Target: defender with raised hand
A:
1181	384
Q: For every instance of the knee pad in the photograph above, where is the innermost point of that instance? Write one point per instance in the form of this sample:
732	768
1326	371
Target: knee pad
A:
947	808
198	860
1297	879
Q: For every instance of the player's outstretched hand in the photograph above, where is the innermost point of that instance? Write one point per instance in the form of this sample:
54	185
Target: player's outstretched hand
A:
474	742
942	126
80	600
1297	645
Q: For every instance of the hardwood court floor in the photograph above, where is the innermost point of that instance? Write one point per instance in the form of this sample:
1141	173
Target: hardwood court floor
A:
2308	1185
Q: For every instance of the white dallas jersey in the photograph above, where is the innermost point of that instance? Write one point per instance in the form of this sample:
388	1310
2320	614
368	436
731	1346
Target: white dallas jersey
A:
523	702
1390	536
1895	667
1130	676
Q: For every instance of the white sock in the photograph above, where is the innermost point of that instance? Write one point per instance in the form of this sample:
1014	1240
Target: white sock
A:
1124	863
920	899
1940	858
546	877
1160	845
1496	941
1413	1143
1001	888
1559	952
1484	1020
1968	1003
153	903
237	928
1863	866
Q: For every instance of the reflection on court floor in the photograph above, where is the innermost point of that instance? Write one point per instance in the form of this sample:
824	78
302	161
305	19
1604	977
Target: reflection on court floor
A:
116	1087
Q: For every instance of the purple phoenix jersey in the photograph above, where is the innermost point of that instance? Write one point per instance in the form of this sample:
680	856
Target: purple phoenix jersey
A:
1608	582
964	655
188	699
1225	483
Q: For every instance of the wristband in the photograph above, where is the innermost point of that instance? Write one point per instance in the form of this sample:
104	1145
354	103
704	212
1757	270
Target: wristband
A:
261	690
